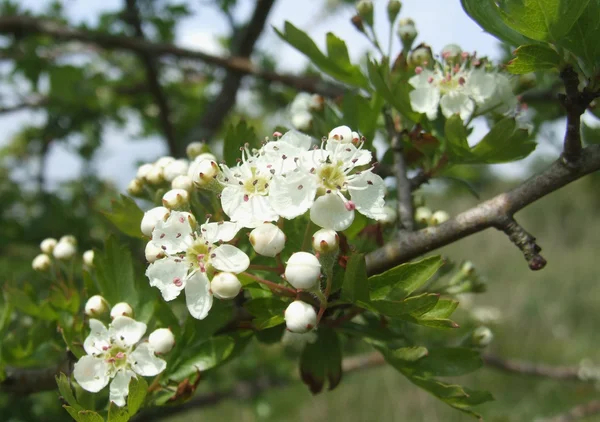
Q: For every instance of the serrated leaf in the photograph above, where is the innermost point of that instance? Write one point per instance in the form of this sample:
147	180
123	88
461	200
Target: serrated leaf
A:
533	58
138	388
84	415
442	309
117	414
268	311
64	388
457	145
114	273
400	281
22	301
583	37
356	283
126	216
503	143
203	357
413	306
447	362
235	137
321	361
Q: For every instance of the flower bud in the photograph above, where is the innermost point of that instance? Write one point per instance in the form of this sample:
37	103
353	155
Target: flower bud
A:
302	120
135	187
96	305
358	23
300	317
121	309
342	134
161	340
88	258
422	215
203	171
175	168
143	171
153	252
64	250
439	217
325	241
482	336
225	285
298	340
68	238
155	176
183	182
267	239
194	149
407	31
393	8
364	8
302	270
151	217
467	268
47	245
389	216
41	263
421	56
163	162
451	54
176	198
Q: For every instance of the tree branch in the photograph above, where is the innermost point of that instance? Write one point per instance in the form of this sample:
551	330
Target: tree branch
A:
562	373
25	25
491	213
578	412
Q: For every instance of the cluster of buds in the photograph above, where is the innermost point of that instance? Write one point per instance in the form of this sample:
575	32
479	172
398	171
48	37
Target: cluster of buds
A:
426	217
64	249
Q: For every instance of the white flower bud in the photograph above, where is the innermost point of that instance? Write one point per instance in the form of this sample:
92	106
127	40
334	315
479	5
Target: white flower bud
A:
163	162
41	263
393	8
88	258
96	305
302	120
389	215
153	252
203	171
156	175
267	239
407	31
151	217
68	238
423	215
302	270
225	285
176	198
64	250
175	168
47	245
341	134
365	11
451	53
325	241
143	171
482	336
421	57
183	182
439	217
194	149
467	268
135	187
161	340
300	317
121	309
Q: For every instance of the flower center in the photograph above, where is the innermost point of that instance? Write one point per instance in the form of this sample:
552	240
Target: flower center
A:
200	254
117	356
332	176
257	184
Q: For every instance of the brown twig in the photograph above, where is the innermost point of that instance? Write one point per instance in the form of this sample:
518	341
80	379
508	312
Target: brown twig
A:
562	373
524	241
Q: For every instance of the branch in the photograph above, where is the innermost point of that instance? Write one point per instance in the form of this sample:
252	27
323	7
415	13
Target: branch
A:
132	16
27	103
29	381
578	412
562	373
491	213
24	25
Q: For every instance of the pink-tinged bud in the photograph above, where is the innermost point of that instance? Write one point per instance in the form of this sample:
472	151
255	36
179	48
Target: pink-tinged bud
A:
303	270
267	240
96	306
161	340
121	309
225	285
300	317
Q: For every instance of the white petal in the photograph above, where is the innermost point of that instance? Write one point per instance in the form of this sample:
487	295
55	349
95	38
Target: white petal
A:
231	200
480	85
293	194
168	274
173	235
144	362
126	331
296	139
422	79
367	191
329	212
457	103
425	100
229	258
197	295
349	154
301	120
119	387
91	373
248	212
98	338
223	231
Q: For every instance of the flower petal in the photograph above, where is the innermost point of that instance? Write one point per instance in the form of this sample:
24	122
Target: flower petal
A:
168	274
119	387
422	80
222	231
297	139
229	258
367	191
457	103
425	100
329	212
173	235
98	339
144	361
126	331
349	154
293	194
197	295
480	85
91	373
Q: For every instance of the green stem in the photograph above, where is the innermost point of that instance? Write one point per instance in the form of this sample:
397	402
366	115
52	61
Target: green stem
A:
276	288
325	298
307	236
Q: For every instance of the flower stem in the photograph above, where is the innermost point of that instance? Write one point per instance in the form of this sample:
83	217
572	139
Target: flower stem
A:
307	236
258	267
325	298
286	291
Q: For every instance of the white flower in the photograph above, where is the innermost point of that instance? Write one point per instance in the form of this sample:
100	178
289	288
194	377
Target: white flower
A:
96	305
267	239
302	270
191	259
88	258
121	309
64	250
225	285
325	241
343	134
111	355
41	263
175	168
161	340
151	217
47	245
300	317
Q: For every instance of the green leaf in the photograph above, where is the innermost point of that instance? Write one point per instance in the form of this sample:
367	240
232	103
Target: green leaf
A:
235	137
268	311
117	414
322	360
126	216
583	37
457	145
399	282
485	13
114	270
22	301
64	388
542	20
442	309
533	58
412	306
62	80
84	415
138	388
356	283
503	143
203	357
408	354
447	362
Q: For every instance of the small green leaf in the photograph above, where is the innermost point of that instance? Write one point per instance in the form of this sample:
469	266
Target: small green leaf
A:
203	357
114	270
503	143
583	37
412	306
126	216
22	301
117	414
442	309
322	360
399	282
356	283
235	137
268	311
138	388
457	145
409	354
447	362
84	415
64	388
533	58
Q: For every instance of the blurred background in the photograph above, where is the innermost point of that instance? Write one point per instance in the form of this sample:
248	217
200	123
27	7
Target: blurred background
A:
77	119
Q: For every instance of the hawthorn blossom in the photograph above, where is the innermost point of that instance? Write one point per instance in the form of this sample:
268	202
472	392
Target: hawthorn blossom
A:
111	354
301	107
189	259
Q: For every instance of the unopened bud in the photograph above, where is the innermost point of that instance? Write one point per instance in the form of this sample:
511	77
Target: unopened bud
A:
302	120
421	56
365	10
156	175
176	198
88	258
64	250
41	263
194	149
135	187
423	215
300	317
151	217
96	305
467	268
341	134
267	239
452	54
407	31
143	170
326	241
68	238
121	309
161	340
183	182
482	336
175	168
225	285
203	171
439	217
303	270
153	252
393	8
47	245
163	162
389	216
358	23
